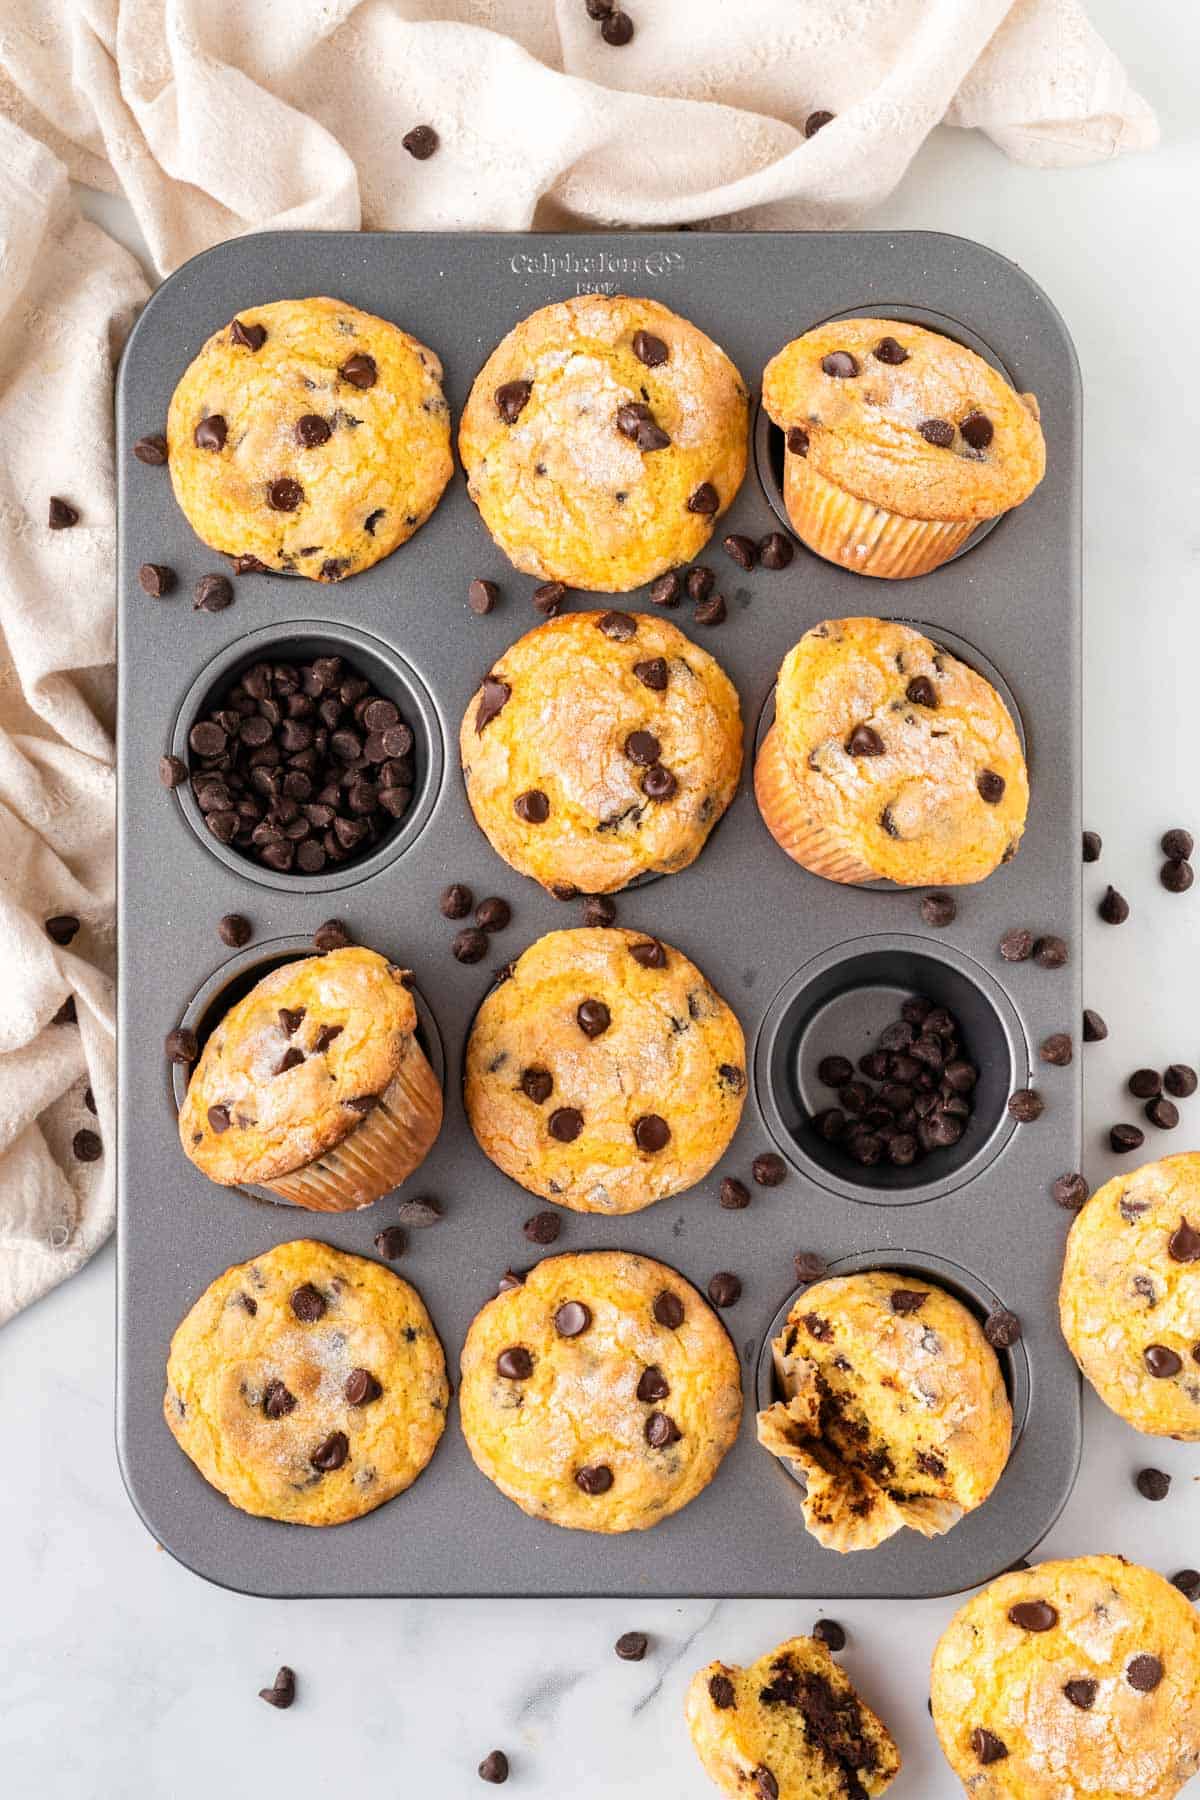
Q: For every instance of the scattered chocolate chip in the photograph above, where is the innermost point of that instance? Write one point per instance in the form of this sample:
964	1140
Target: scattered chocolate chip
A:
212	594
391	1243
1176	876
494	1768
420	142
332	935
594	1479
668	1309
631	1646
548	598
1002	1329
359	370
1162	1112
938	432
987	1746
991	786
797	440
151	450
734	1195
725	1289
469	945
776	550
599	910
1179	1080
493	914
939	910
1145	1084
172	771
840	365
182	1045
1017	945
156	579
1051	953
1177	845
62	927
86	1147
1144	1674
456	901
482	596
809	1267
705	499
234	930
1091	846
768	1169
543	1227
1034	1615
1082	1692
1188	1583
742	550
1057	1049
512	399
1114	908
210	433
617	29
1094	1028
1152	1484
515	1363
1026	1105
1070	1191
815	121
721	1692
711	611
830	1633
282	1692
1124	1138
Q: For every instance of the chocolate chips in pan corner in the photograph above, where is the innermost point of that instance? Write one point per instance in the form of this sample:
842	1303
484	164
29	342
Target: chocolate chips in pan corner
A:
302	765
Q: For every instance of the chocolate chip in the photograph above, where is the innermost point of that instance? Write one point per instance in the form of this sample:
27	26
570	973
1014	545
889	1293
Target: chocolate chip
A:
631	1646
308	1303
284	494
456	901
1123	1138
987	1746
840	364
668	1309
1002	1329
617	30
1057	1049
1163	1113
1161	1361
661	1431
219	1119
649	349
599	910
420	142
548	598
325	1036
1188	1583
212	594
651	1133
1082	1692
282	1692
797	440
210	433
482	596
291	1059
776	550
493	914
830	1633
278	1400
834	1071
1145	1084
572	1319
594	1479
659	783
1034	1615
86	1147
361	1388
1179	1080
649	954
1183	1246
887	350
977	430
864	740
565	1124
1177	845
705	499
1152	1484
765	1785
907	1300
515	1363
156	579
711	611
182	1045
1017	945
725	1289
1051	953
652	1386
537	1084
62	927
1114	908
1091	846
391	1243
512	399
721	1692
809	1267
815	121
235	930
1176	876
1026	1105
1070	1191
532	806
172	771
938	432
768	1169
332	935
1094	1028
734	1195
151	450
939	910
991	786
359	370
593	1018
652	674
642	748
1144	1674
494	1768
331	1453
743	550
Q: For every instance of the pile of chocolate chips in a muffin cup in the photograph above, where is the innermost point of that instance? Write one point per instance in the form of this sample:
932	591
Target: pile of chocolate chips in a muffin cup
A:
911	1096
302	765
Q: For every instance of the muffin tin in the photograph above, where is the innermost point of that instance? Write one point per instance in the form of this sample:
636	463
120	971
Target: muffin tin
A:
803	962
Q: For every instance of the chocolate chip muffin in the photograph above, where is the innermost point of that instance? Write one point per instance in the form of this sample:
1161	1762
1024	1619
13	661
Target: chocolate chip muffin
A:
604	1073
1130	1295
600	1393
309	438
1075	1680
602	439
894	1408
898	442
307	1385
790	1727
888	757
601	747
314	1085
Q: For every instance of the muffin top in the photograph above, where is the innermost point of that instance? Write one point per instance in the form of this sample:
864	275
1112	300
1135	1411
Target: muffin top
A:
1130	1295
895	1408
601	439
297	1064
605	1073
790	1725
309	437
912	753
599	747
906	419
1075	1678
307	1385
601	1393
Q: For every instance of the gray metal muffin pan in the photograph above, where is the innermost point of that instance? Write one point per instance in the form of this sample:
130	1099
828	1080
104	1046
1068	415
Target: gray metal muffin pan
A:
785	948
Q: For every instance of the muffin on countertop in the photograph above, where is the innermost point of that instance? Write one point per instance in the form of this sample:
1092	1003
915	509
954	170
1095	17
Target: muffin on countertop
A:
898	441
888	757
1074	1680
309	438
601	747
307	1385
1129	1300
602	439
894	1408
315	1086
600	1393
604	1073
790	1727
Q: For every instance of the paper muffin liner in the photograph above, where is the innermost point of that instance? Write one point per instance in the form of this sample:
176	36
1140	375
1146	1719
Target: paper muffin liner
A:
819	848
393	1139
863	537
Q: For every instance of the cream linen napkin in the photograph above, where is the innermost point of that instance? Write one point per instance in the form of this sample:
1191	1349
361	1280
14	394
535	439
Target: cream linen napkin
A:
217	117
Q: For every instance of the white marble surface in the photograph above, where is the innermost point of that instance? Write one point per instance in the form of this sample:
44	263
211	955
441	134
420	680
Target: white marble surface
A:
121	1674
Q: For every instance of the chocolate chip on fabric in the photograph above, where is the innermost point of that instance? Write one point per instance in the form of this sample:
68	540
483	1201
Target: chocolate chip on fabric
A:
1091	846
1070	1191
840	365
182	1045
1176	876
712	611
649	349
494	1768
157	580
282	1691
815	121
631	1646
515	1363
572	1319
361	1388
1094	1028
617	30
652	674
649	954
887	350
391	1243
1124	1138
1113	908
742	550
991	786
1051	953
734	1195
594	1479
532	806
1002	1329
776	550
151	450
1180	1080
938	432
1144	1674
331	1453
210	433
212	594
86	1147
172	771
768	1169
1082	1692
359	370
1057	1049
939	910
1026	1105
725	1288
864	740
1152	1484
1034	1615
797	440
1161	1361
651	1133
977	430
987	1746
721	1692
668	1309
62	927
512	399
332	935
420	142
830	1633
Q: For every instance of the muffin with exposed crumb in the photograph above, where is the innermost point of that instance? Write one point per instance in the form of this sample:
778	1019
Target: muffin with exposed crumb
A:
893	1408
1075	1680
898	443
602	439
601	747
309	438
790	1727
890	758
315	1086
604	1072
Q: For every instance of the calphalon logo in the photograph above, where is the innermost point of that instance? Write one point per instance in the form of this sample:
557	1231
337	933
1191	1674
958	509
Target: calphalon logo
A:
590	269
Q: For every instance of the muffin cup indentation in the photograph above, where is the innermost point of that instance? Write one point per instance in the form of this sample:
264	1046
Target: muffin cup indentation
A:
389	674
837	1005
